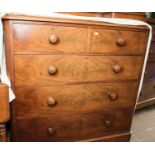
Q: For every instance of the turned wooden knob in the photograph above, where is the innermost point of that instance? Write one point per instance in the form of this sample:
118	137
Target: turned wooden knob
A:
120	42
52	70
116	68
113	96
108	123
51	101
53	39
50	131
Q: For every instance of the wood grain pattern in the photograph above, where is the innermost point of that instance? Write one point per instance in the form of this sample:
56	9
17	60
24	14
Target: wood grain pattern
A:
72	80
33	70
73	126
104	41
74	98
35	38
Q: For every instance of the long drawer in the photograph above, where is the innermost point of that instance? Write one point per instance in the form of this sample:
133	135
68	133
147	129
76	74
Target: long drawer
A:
74	98
58	69
73	126
52	38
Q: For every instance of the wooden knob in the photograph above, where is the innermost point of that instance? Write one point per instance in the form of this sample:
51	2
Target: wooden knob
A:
50	131
113	96
120	42
53	39
108	123
52	70
51	101
116	68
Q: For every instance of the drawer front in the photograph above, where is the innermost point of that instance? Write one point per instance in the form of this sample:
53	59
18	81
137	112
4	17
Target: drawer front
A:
148	90
73	126
36	38
117	41
74	98
57	69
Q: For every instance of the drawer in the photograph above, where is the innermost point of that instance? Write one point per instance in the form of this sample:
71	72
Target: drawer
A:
74	98
148	91
73	126
57	69
117	41
36	38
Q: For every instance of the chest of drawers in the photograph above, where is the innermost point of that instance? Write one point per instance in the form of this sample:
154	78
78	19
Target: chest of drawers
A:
74	80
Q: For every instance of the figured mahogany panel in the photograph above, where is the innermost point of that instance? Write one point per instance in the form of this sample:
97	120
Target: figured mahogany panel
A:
58	69
74	98
73	126
36	38
117	41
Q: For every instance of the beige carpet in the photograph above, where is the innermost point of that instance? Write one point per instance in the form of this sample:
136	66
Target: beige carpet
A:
143	125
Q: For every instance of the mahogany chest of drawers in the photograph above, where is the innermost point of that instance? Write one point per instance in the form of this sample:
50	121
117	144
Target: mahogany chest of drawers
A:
74	80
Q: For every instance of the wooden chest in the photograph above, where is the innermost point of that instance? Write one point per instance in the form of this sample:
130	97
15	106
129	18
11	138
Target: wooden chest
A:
147	96
74	80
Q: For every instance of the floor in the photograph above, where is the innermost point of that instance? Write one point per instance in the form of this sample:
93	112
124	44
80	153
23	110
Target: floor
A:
143	126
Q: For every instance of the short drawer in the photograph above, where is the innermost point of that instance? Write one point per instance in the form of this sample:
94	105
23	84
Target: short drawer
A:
37	38
74	98
148	90
73	126
117	41
58	69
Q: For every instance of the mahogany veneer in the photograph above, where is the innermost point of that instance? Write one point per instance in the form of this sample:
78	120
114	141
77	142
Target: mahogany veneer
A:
74	80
